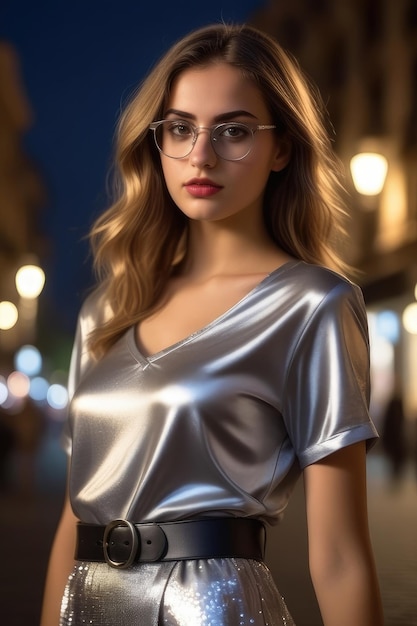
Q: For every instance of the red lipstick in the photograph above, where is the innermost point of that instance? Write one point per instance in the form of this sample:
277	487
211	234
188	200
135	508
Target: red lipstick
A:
202	187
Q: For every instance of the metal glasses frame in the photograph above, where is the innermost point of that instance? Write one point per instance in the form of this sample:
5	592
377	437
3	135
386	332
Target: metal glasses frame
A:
212	129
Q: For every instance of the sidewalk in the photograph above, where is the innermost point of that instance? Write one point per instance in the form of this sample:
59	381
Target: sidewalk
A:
393	525
393	520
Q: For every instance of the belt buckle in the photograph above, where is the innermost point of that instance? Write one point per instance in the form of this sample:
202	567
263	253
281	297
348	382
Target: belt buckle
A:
134	543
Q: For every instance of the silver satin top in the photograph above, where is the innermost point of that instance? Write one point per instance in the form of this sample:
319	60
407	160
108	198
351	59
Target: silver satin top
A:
222	422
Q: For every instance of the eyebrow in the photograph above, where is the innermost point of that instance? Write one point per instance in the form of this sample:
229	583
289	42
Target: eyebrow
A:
230	115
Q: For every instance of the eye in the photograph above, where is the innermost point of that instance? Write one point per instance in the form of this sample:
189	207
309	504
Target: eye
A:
178	128
233	131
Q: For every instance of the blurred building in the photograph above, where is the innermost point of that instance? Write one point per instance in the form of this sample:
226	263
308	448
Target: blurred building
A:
22	192
362	54
22	196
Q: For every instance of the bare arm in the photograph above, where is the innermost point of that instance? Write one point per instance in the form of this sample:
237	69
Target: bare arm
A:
340	553
60	565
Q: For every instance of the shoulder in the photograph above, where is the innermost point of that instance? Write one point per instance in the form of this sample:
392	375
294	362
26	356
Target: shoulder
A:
95	311
320	279
334	307
322	287
318	296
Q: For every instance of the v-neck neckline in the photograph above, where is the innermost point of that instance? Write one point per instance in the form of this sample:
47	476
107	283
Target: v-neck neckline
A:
148	359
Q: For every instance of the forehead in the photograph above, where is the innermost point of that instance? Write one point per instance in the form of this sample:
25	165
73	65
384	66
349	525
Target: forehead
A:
215	89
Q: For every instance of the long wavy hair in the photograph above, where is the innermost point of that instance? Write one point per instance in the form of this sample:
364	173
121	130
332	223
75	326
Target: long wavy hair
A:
138	240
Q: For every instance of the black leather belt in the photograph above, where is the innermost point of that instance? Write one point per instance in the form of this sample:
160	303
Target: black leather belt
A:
122	543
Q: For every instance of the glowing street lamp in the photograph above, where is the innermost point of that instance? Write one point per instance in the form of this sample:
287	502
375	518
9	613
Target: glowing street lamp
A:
8	315
30	280
369	171
410	318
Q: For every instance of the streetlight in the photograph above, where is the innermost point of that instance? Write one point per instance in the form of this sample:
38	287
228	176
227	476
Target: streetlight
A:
369	171
410	318
30	280
8	315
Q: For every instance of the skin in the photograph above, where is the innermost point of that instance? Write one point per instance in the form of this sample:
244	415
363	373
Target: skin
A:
61	563
229	248
206	97
229	253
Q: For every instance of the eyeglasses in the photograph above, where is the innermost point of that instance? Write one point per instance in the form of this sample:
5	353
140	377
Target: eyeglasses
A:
231	141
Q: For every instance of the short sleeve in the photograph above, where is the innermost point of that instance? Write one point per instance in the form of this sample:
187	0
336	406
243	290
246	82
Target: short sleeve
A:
73	379
327	388
92	313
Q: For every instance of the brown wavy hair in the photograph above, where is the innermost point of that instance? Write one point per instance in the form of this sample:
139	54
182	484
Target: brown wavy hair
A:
138	240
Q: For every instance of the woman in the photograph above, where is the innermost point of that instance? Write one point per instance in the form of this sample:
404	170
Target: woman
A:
218	359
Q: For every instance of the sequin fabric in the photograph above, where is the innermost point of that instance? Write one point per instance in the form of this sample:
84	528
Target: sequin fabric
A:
213	592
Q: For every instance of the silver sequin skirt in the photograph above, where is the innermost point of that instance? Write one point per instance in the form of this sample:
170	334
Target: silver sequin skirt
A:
211	592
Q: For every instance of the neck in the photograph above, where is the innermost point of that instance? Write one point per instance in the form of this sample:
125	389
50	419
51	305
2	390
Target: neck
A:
217	248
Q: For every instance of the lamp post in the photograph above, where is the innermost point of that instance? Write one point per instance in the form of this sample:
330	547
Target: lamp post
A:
368	168
30	280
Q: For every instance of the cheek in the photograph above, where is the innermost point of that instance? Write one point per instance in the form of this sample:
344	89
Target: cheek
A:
169	173
165	167
255	177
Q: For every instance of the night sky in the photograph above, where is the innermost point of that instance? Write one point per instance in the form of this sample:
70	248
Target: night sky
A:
80	59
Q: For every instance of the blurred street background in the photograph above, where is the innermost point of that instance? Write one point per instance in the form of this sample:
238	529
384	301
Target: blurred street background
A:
65	70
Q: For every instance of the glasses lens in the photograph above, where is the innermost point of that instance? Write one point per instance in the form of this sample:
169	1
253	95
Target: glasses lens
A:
232	141
175	138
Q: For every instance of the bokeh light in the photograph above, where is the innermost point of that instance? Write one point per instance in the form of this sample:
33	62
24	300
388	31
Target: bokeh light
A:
410	318
4	392
57	396
369	170
388	325
18	384
28	360
30	280
8	315
38	390
382	352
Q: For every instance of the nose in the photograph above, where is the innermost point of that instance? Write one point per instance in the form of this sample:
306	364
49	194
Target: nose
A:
203	154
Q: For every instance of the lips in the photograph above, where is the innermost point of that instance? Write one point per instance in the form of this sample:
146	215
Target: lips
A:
202	187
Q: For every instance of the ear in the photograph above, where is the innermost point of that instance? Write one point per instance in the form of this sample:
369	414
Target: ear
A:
282	154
